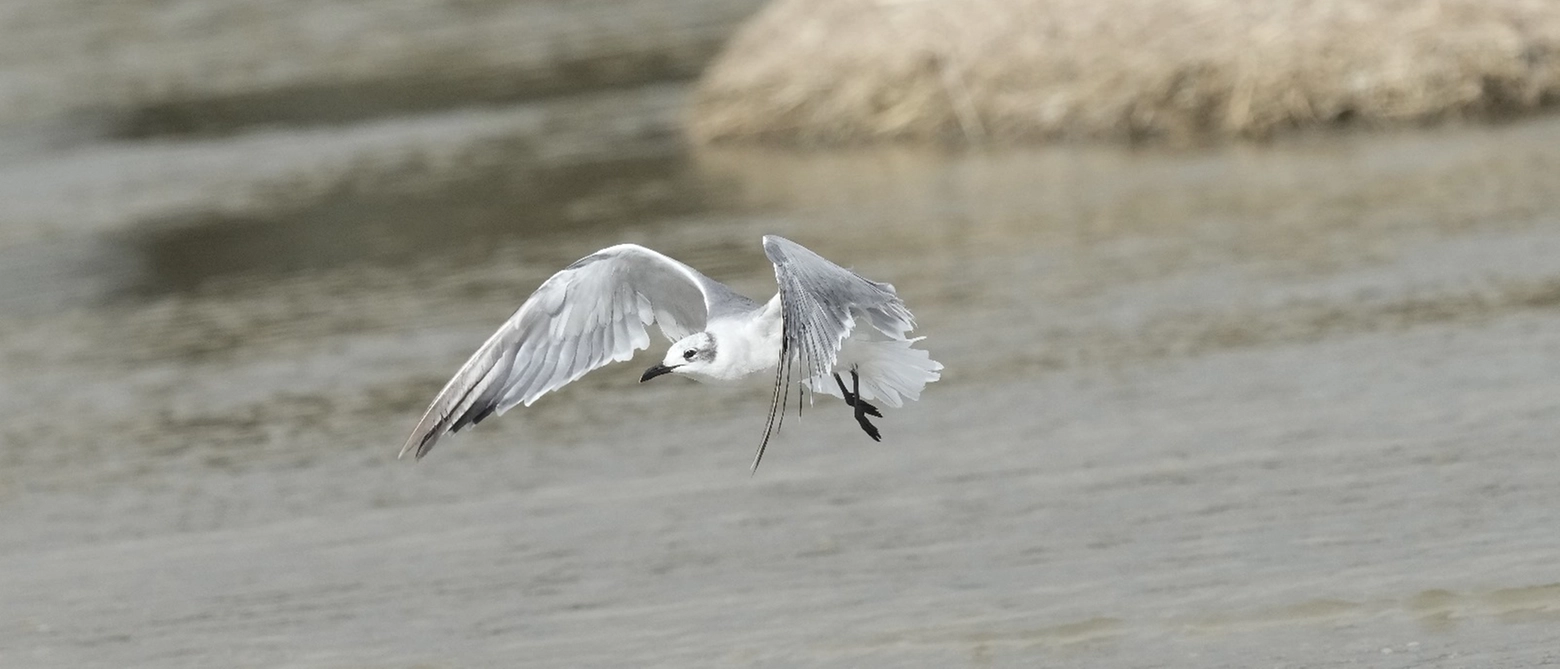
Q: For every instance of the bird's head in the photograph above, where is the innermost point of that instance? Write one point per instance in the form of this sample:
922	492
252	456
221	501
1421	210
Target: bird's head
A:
691	354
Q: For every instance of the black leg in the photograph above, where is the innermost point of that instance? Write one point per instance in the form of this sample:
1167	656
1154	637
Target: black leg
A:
861	406
852	399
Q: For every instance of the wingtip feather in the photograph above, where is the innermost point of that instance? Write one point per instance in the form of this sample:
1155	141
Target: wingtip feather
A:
419	444
753	471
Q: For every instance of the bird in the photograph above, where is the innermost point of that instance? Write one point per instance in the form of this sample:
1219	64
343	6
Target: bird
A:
824	323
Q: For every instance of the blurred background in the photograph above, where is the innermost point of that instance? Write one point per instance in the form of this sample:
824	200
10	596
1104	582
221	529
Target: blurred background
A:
1252	358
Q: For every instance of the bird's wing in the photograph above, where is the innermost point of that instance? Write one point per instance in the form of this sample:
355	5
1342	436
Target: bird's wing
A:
590	313
819	304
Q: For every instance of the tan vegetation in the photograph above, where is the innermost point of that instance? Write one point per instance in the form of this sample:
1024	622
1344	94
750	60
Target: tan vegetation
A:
832	71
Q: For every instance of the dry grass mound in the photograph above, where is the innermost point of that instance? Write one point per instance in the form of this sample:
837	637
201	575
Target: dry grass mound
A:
837	71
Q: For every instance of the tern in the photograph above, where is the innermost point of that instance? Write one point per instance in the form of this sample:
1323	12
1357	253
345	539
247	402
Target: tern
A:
824	323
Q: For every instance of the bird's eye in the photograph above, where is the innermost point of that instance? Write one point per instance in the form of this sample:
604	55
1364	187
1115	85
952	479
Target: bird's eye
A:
688	354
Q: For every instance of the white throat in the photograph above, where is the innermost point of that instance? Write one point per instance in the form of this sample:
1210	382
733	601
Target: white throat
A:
744	346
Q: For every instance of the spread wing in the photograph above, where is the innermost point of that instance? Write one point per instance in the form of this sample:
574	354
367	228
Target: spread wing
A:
819	304
592	312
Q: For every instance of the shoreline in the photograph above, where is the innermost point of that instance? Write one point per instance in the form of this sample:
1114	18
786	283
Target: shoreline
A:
820	73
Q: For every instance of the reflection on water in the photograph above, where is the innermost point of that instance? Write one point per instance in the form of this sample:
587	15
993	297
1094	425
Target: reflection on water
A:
1104	254
336	102
182	214
1223	402
459	224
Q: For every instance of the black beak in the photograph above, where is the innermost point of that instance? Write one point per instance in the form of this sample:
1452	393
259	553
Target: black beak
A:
654	372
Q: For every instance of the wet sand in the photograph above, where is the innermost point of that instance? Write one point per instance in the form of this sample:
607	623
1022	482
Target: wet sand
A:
1290	405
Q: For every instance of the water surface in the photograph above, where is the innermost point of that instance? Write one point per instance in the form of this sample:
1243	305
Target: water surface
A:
1284	405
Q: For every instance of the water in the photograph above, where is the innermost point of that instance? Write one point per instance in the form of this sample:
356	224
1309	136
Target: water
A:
1285	405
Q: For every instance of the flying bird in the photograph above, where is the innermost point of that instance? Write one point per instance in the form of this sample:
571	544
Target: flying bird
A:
825	324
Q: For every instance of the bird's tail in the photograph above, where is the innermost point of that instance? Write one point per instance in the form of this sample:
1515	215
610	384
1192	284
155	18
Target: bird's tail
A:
891	370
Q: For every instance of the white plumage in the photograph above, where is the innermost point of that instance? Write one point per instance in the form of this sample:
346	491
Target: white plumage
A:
596	311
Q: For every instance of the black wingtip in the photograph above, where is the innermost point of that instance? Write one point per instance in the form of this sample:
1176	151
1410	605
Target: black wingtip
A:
758	458
418	447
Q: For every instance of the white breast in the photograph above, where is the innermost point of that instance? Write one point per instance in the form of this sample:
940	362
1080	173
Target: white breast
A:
744	346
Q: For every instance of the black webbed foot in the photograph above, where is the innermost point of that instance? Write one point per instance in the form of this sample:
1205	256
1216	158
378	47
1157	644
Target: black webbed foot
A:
852	399
865	407
862	407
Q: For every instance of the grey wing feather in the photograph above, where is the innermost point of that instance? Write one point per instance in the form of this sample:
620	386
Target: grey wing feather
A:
592	312
819	304
821	300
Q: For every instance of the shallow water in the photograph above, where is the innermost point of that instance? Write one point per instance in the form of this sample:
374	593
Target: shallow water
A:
1289	405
